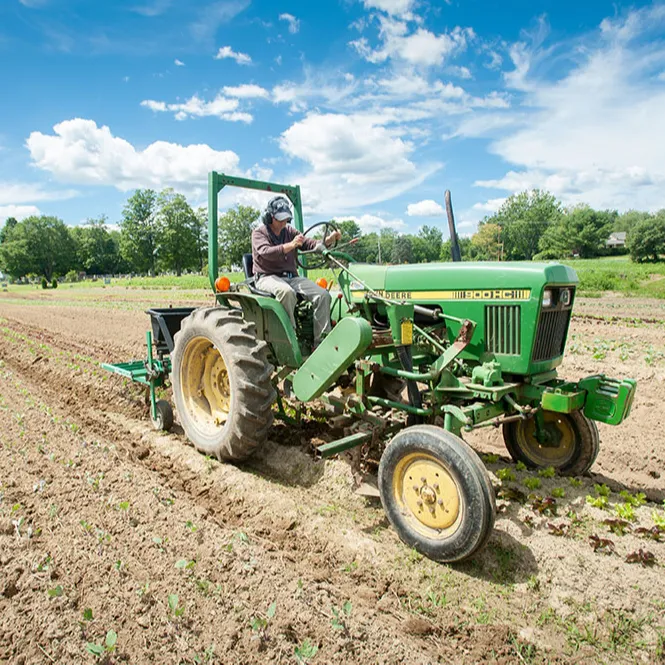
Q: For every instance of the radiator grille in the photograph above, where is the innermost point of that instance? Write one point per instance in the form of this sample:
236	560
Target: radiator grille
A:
551	334
502	329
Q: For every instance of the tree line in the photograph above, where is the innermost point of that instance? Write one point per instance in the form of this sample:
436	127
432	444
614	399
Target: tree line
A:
161	232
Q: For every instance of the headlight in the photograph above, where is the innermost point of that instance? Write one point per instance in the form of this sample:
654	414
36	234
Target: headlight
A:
564	297
547	298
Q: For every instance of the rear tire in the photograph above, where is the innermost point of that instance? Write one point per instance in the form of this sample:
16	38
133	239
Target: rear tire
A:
577	449
221	383
436	493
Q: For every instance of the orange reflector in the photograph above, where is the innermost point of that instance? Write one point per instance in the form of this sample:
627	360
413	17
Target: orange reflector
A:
322	282
222	284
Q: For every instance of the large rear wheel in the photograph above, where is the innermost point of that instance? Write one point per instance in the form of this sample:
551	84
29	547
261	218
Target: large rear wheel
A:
436	493
221	383
571	444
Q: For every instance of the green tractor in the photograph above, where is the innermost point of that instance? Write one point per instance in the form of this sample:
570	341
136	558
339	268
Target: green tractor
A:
418	355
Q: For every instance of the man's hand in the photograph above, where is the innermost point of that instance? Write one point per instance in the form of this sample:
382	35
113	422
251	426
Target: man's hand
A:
333	237
294	244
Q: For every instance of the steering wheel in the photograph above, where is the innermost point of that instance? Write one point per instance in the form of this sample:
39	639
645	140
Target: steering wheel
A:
319	261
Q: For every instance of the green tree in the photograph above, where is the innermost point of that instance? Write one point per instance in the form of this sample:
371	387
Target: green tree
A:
646	240
385	243
177	246
523	219
40	245
580	231
96	253
366	250
349	229
10	223
201	232
427	244
402	249
235	234
486	242
139	231
627	220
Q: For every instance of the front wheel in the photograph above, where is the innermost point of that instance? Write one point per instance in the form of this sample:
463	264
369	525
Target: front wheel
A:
436	493
571	445
164	420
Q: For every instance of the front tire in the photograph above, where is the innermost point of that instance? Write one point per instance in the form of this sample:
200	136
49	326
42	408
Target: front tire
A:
436	493
221	384
573	447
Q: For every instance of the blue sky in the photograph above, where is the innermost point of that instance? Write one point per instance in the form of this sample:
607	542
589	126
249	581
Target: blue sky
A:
374	107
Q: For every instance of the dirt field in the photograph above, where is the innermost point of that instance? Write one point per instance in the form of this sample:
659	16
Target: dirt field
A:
103	522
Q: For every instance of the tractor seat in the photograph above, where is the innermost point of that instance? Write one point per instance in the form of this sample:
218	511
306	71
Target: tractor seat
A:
250	278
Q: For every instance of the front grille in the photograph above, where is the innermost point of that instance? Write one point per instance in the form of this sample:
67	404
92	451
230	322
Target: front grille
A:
551	334
502	329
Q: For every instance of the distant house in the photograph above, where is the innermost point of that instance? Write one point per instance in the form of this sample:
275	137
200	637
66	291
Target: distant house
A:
616	240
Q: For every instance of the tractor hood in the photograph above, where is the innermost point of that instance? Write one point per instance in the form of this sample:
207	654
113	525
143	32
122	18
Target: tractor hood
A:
522	310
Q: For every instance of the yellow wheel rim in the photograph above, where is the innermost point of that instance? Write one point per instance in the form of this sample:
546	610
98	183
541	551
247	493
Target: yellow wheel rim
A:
559	450
427	495
206	390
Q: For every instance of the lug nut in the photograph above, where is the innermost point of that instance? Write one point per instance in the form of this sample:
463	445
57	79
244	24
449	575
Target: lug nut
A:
436	486
440	502
419	503
423	480
416	488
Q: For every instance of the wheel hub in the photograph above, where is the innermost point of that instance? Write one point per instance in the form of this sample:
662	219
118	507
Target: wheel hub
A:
427	492
205	384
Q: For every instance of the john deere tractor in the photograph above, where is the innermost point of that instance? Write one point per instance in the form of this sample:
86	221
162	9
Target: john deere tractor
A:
417	356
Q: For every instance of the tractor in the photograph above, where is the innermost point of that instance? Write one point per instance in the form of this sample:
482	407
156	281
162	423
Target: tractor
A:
417	356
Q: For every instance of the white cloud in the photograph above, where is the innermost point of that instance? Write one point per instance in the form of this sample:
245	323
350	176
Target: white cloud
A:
294	23
81	152
369	223
462	72
221	107
178	63
154	8
246	91
420	48
492	205
18	212
425	208
394	7
597	134
33	4
353	161
228	52
18	192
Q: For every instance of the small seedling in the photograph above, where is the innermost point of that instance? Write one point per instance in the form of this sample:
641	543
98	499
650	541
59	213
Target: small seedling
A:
56	592
520	466
87	614
548	472
636	500
191	526
546	506
511	494
625	511
601	544
641	556
123	505
490	458
340	616
529	521
532	483
575	482
305	652
185	564
558	493
598	501
506	475
108	647
176	610
654	533
561	529
617	526
658	519
602	490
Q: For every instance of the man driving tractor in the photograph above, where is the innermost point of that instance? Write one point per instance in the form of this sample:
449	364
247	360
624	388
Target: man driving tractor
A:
274	247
